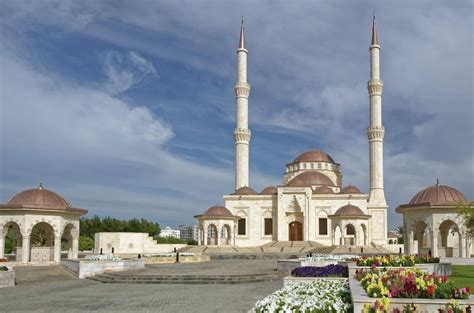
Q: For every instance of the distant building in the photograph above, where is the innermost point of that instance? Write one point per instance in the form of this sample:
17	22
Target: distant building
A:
170	232
186	232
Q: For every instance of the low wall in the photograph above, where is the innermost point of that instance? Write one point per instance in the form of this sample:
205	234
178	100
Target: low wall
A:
458	261
87	268
292	279
360	298
7	278
172	259
394	248
437	268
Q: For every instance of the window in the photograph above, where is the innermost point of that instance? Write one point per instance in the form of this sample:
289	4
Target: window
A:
323	226
241	227
268	226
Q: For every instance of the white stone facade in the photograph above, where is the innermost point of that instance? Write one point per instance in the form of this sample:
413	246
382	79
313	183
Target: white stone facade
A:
169	232
130	243
311	204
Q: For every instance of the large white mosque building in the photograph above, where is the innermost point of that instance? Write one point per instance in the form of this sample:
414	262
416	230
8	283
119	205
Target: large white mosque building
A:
312	203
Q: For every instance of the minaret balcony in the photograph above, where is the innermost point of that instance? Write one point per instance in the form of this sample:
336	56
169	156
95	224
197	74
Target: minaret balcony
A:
242	89
375	86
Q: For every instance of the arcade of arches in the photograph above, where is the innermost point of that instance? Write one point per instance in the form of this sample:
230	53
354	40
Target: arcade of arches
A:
36	225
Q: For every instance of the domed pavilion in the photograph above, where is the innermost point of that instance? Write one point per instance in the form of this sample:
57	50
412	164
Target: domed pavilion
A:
39	223
432	223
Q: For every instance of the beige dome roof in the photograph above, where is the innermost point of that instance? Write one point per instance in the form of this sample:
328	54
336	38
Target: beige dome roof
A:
314	156
324	190
439	195
349	210
39	197
270	190
350	190
217	211
311	178
245	191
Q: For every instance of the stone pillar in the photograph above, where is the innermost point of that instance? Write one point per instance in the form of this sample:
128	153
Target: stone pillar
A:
57	249
75	247
434	244
410	243
2	246
205	234
199	237
462	246
333	237
219	233
25	249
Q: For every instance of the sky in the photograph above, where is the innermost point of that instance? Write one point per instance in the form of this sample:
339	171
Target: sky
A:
127	108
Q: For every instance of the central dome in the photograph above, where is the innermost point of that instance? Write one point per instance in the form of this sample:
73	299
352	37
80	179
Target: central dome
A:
39	198
314	156
311	178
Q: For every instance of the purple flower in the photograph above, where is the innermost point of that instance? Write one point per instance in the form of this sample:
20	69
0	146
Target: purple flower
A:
333	270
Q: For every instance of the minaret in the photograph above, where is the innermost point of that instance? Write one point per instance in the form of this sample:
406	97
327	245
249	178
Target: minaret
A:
376	203
242	132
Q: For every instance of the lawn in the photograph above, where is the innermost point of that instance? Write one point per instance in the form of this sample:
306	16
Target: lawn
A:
463	276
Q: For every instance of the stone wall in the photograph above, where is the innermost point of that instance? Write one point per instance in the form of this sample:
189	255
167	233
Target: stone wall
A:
131	243
87	268
7	279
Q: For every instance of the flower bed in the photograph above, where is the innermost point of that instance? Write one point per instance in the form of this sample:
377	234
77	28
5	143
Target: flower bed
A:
395	260
383	305
409	283
332	270
319	296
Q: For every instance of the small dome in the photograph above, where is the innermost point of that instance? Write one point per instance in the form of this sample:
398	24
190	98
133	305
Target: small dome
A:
270	190
311	178
349	210
314	156
39	198
245	191
350	190
217	210
439	195
324	190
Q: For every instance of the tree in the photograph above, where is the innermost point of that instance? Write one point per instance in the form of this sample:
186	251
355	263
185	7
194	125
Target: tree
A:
466	212
85	243
400	230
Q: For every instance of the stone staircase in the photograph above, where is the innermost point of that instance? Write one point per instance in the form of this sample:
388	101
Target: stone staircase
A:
120	278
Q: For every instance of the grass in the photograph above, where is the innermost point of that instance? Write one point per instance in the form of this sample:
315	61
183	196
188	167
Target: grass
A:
463	276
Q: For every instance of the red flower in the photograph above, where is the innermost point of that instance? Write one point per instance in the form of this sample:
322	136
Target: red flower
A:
430	290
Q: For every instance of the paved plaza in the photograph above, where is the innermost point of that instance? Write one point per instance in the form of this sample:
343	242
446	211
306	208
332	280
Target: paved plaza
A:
51	289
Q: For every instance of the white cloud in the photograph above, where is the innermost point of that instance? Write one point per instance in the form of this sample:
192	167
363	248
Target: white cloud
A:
123	71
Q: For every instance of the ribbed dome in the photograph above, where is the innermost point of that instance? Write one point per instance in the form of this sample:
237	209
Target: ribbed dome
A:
311	178
217	210
324	190
314	156
39	198
245	191
270	190
349	210
439	195
350	190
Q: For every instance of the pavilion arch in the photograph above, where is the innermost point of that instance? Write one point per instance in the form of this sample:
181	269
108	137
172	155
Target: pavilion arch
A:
337	235
42	242
350	235
11	232
449	239
212	235
226	235
70	240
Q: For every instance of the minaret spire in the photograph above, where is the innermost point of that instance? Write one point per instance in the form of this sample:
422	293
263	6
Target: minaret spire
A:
242	132
375	40
376	205
242	36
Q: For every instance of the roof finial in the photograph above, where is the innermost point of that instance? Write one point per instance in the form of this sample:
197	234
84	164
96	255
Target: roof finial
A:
375	40
242	39
437	181
40	186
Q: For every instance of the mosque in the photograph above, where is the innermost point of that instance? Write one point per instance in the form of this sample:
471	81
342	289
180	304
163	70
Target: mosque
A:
312	204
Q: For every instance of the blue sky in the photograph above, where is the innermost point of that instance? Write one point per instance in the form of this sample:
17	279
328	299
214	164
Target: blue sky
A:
127	108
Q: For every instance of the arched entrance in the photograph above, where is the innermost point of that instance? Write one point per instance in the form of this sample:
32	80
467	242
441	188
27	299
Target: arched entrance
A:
42	243
212	234
226	235
12	240
350	236
450	239
295	231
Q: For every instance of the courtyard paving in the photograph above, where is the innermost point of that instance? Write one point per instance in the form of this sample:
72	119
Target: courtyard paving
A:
51	289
